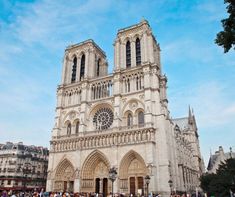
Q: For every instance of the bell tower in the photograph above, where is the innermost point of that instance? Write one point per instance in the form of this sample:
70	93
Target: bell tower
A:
134	46
83	61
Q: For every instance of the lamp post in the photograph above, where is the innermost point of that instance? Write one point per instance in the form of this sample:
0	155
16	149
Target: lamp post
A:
147	180
232	189
170	184
25	172
25	178
112	176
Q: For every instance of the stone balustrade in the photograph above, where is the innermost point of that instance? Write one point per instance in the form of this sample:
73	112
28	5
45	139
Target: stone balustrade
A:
98	140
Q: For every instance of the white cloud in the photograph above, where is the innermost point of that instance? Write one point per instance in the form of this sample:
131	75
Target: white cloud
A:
211	10
214	106
46	22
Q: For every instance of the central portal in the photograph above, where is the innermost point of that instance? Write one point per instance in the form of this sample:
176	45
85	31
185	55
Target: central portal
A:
101	186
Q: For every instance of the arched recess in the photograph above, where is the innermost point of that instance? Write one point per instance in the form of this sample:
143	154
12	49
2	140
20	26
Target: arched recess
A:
95	168
139	113
132	105
132	171
64	176
128	115
128	54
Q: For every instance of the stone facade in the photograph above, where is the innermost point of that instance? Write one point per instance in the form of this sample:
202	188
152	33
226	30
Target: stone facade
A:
217	158
23	167
119	120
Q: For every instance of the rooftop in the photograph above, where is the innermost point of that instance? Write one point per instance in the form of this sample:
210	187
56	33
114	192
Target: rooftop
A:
83	43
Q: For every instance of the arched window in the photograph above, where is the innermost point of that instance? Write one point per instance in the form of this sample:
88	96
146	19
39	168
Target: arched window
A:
82	68
98	68
77	127
128	54
141	118
137	51
74	70
69	129
129	120
128	85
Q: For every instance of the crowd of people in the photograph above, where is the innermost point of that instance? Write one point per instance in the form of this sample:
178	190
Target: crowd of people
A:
91	194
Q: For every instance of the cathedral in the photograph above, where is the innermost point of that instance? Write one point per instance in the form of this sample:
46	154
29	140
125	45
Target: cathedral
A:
120	121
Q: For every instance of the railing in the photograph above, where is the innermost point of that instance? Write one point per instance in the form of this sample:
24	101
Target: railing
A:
107	131
101	88
104	139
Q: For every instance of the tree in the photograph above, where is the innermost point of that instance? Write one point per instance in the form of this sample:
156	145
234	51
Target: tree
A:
222	182
226	38
205	182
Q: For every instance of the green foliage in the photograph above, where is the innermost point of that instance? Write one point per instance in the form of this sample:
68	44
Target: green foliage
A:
222	182
226	38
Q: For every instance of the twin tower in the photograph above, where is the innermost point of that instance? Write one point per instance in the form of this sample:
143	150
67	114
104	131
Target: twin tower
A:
119	120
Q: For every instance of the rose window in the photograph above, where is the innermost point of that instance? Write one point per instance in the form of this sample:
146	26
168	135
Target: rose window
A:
103	118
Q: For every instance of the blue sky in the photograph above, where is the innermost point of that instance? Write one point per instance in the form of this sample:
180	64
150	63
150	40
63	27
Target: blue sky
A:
34	34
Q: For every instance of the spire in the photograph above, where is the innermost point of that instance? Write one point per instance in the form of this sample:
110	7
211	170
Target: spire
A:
189	112
190	116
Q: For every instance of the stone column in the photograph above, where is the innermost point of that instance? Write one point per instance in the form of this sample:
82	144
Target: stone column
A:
68	70
87	55
63	78
117	54
123	55
101	186
78	69
133	54
145	43
150	47
92	64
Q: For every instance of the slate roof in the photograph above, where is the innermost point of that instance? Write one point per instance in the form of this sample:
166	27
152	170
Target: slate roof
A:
181	122
215	158
22	147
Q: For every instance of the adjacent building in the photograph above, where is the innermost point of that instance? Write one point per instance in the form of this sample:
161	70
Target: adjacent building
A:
217	158
120	120
22	167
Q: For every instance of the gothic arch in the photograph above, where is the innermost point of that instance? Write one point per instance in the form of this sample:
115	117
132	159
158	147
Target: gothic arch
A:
140	117
64	171
92	161
128	114
137	36
98	106
139	109
64	176
81	54
127	161
70	116
132	105
126	39
73	56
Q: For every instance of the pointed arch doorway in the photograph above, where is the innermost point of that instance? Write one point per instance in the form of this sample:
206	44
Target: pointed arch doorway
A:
94	174
64	177
132	173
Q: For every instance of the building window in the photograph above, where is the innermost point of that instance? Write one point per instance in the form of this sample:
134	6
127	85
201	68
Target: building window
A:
98	68
141	118
69	129
74	70
129	120
128	85
8	182
77	127
128	54
103	118
82	69
137	51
